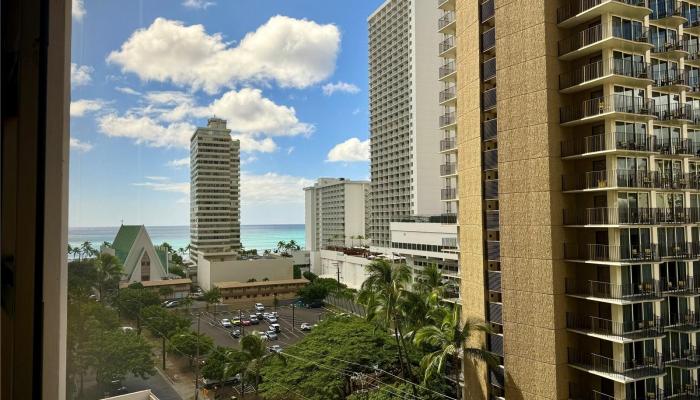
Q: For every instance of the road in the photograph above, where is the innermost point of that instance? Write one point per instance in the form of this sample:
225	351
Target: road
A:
160	387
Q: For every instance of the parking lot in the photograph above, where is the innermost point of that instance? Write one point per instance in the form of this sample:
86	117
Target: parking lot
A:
289	318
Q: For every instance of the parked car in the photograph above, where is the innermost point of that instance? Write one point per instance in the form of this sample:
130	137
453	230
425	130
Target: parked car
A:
274	314
259	307
246	322
226	323
275	348
254	320
236	322
259	315
272	320
208	383
305	326
263	335
276	328
272	335
235	333
172	303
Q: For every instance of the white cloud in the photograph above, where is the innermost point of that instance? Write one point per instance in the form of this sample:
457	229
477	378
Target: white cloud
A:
78	9
355	111
80	74
172	187
248	160
330	88
292	52
145	130
128	90
349	151
250	144
81	107
179	163
80	146
198	4
290	150
272	188
157	178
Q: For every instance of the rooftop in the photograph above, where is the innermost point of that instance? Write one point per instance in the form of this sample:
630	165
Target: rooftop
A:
165	282
233	284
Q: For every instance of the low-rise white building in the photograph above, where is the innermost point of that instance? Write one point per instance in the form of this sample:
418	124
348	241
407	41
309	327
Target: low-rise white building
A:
347	266
214	270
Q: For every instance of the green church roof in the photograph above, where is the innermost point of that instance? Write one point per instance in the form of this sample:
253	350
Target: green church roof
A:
125	240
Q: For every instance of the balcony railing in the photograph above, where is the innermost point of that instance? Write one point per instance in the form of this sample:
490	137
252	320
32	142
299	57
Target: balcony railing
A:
613	103
447	119
591	252
492	220
489	99
687	358
608	142
586	393
488	40
670	45
489	69
679	251
638	368
689	285
670	77
489	129
686	322
576	7
630	330
666	9
491	189
490	159
446	19
599	69
496	312
449	168
674	146
447	44
446	69
630	179
632	216
648	290
487	10
448	93
671	112
448	194
493	250
448	144
596	33
496	344
494	283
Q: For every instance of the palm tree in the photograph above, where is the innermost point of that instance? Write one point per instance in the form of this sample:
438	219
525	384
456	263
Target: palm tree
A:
293	245
257	355
69	251
188	249
77	252
280	245
109	273
212	296
87	249
428	283
449	337
106	244
382	294
187	302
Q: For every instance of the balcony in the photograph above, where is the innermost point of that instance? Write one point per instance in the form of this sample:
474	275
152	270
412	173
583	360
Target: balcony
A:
672	79
446	70
671	48
618	294
492	220
691	25
493	250
487	10
620	371
496	313
607	253
668	13
449	168
488	69
447	119
624	72
488	40
576	393
448	96
685	323
448	144
489	129
617	105
446	4
676	113
578	11
491	189
620	332
496	344
598	37
446	23
447	47
687	358
490	159
682	287
674	146
679	251
448	194
494	278
614	216
594	145
489	99
603	180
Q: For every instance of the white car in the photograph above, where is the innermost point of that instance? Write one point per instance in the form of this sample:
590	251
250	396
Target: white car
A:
275	348
127	329
226	323
275	327
272	335
272	320
305	326
259	307
274	314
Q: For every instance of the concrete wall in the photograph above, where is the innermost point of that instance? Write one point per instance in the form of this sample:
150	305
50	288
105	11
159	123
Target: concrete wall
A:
352	269
355	196
231	269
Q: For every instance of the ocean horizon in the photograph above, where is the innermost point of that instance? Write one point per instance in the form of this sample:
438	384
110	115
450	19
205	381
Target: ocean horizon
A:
260	237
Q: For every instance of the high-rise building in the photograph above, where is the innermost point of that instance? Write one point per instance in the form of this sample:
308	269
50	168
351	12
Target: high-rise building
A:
404	135
215	227
578	131
335	213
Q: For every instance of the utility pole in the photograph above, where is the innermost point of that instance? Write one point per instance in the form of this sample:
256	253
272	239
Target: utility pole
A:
293	317
240	321
196	363
163	337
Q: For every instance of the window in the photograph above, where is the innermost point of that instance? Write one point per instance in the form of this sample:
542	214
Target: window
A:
626	28
663	39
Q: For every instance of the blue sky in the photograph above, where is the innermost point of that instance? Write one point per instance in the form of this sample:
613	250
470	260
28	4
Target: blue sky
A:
290	76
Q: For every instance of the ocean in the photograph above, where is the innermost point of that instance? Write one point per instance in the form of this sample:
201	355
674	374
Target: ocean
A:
260	237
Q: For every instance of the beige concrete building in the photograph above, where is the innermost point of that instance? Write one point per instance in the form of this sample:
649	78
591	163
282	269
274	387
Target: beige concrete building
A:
577	127
215	205
216	270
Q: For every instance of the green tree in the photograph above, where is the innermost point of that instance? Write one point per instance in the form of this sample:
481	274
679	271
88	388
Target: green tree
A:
117	354
297	272
163	323
313	293
131	300
212	296
450	339
223	363
185	343
310	276
87	249
178	270
108	271
187	303
165	292
256	355
280	245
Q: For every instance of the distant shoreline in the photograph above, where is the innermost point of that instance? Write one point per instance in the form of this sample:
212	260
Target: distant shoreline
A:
172	226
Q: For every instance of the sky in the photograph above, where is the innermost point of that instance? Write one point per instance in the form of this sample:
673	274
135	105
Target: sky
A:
289	76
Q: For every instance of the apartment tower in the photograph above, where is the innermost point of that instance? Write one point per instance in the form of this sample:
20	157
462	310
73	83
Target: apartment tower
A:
215	227
578	132
404	133
335	213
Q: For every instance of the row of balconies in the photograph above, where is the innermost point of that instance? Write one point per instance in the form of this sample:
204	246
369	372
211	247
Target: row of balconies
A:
580	10
629	142
620	370
634	253
623	178
616	103
614	216
651	328
588	40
